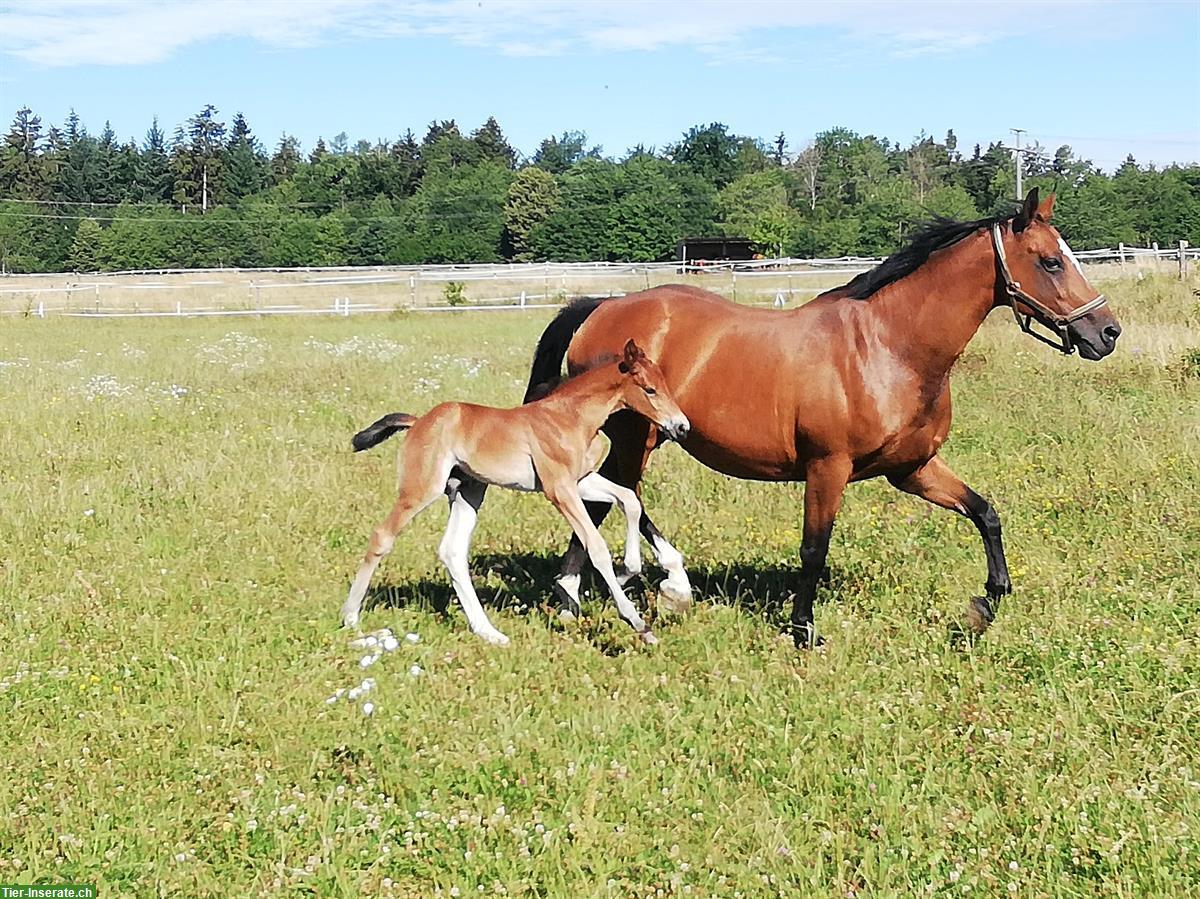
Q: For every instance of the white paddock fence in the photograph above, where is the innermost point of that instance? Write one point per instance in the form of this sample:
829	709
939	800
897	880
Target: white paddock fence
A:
347	291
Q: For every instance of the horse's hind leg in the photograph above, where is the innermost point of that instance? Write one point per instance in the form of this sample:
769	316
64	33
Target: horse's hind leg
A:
453	551
423	481
935	482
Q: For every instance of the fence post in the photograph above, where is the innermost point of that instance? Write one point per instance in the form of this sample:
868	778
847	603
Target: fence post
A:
733	272
97	286
1121	253
412	291
1183	244
522	299
41	309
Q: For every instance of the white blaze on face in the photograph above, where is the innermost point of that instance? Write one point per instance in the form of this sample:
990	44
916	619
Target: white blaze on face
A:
1066	251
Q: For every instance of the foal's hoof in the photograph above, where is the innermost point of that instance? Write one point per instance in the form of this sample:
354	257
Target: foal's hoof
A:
674	599
350	621
566	616
980	615
625	575
493	636
648	638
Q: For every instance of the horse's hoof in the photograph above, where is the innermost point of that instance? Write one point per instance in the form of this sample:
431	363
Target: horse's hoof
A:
349	621
980	615
674	599
493	636
648	638
566	616
806	636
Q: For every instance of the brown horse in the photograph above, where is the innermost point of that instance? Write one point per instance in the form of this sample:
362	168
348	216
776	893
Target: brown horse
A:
551	445
852	385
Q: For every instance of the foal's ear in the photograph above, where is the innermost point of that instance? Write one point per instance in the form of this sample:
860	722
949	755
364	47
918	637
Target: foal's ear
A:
632	355
1045	209
1029	210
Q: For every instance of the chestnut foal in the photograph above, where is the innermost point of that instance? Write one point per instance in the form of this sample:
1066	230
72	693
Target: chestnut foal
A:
552	445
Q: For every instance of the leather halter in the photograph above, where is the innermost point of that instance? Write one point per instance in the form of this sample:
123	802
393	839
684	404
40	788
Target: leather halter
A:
1037	310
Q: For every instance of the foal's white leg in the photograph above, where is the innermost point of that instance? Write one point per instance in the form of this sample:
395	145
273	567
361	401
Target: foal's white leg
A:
595	488
675	589
571	505
453	551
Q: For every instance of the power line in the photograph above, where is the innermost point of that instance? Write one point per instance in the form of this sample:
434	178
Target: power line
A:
1125	140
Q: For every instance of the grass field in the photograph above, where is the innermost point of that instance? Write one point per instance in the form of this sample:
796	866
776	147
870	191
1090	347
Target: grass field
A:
181	514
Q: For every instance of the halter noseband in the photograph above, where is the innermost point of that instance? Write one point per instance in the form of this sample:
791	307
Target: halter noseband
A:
1037	310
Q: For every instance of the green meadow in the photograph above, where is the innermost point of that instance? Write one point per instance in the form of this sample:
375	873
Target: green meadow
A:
182	715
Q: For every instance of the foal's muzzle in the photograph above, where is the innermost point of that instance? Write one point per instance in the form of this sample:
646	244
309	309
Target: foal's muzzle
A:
676	429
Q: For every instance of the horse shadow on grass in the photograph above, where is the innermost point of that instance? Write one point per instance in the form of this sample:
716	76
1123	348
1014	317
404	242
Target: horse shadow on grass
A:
523	584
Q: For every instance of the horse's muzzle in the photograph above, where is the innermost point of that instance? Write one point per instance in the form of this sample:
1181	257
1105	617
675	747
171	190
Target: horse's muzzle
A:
1094	340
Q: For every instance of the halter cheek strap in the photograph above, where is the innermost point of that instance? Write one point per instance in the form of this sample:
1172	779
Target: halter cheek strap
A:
1037	310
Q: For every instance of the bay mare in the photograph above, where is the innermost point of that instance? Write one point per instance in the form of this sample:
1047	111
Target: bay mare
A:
551	445
852	385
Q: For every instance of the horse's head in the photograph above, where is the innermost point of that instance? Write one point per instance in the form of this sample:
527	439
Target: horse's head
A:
1042	280
644	390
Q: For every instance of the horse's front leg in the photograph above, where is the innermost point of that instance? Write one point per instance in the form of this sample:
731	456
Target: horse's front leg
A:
826	482
935	482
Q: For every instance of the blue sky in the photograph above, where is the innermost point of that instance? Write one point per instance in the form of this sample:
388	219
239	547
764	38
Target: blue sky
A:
1107	78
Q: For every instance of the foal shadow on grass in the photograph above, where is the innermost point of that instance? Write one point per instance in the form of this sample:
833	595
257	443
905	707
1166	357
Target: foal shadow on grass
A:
520	583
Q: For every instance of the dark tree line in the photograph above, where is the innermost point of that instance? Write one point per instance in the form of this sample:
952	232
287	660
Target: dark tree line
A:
212	194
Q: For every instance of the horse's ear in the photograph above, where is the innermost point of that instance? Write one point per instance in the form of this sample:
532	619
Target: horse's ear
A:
1045	209
1028	210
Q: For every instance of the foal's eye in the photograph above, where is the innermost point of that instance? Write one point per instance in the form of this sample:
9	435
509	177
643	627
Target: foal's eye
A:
650	391
1052	263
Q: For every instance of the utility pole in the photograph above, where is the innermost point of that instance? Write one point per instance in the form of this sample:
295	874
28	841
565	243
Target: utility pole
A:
1018	155
204	187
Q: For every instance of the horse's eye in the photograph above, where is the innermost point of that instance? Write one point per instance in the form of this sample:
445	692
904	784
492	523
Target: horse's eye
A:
1052	263
650	391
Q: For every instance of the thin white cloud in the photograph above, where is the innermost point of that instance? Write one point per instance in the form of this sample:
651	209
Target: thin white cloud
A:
137	32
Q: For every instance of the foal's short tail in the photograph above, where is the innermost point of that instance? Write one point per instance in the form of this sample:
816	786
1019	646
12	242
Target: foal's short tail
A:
383	429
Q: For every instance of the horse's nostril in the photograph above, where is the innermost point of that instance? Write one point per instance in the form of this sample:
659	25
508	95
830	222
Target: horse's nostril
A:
1111	332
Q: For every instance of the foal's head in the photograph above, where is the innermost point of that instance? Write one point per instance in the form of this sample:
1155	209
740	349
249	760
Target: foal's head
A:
644	390
1040	261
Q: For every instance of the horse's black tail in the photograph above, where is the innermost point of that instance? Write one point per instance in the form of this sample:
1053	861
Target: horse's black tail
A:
383	429
552	347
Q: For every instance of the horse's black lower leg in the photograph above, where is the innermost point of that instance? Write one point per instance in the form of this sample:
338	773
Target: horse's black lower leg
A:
998	584
813	553
935	482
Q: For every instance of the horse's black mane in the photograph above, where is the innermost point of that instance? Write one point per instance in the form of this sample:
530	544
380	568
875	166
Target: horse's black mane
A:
931	237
